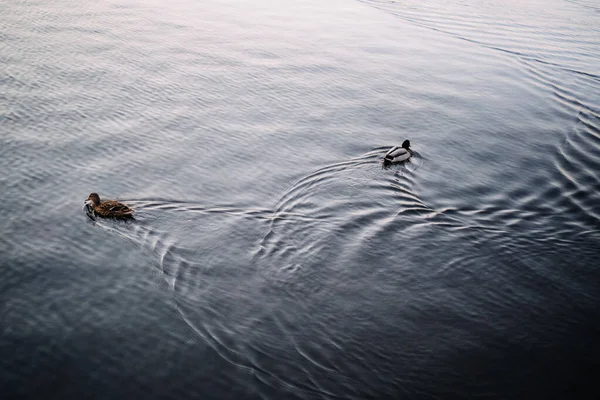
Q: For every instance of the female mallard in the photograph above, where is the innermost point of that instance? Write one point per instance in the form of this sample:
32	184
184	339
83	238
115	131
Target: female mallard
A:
398	153
107	208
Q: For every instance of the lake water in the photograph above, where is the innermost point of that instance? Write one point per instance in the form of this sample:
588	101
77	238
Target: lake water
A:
272	256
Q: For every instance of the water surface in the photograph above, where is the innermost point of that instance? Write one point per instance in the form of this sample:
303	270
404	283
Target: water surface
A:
272	256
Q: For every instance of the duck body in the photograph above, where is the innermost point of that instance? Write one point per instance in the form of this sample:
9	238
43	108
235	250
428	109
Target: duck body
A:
398	153
107	208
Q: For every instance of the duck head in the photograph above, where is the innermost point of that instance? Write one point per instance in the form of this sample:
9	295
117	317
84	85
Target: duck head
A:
406	144
93	199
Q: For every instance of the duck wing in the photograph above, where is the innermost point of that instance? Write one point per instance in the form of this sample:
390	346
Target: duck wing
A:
397	153
114	208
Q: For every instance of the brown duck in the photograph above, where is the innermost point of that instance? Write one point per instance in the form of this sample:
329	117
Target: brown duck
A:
107	208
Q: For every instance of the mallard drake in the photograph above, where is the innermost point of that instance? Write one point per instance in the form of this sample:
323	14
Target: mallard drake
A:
398	153
107	208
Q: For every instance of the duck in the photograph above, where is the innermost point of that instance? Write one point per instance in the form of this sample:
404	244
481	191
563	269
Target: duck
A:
107	208
398	153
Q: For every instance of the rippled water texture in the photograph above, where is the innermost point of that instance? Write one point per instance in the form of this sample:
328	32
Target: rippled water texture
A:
272	256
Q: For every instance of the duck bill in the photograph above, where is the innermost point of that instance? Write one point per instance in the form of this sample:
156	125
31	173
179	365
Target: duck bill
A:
88	207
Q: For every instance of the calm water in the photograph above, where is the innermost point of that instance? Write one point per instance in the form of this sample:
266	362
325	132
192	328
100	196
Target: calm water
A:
272	256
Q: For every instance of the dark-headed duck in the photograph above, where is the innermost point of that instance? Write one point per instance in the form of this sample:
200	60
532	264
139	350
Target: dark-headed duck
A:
107	208
398	153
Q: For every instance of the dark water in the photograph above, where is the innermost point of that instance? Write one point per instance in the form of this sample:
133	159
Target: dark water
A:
272	256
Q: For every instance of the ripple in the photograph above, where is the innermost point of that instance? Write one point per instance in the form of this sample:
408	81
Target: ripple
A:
500	29
221	301
577	163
